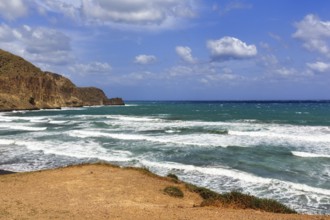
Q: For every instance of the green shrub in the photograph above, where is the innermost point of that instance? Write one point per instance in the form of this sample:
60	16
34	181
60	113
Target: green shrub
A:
203	192
173	191
173	177
245	201
239	200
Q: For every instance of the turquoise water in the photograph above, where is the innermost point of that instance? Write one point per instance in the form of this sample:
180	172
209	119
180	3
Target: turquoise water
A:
278	150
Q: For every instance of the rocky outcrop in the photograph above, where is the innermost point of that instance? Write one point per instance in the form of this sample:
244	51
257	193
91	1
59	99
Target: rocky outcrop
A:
24	86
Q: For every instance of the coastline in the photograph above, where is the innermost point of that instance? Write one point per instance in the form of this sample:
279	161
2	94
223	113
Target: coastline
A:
5	172
58	108
103	191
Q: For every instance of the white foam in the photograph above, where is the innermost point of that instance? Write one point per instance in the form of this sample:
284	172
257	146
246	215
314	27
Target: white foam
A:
203	140
198	139
93	106
22	127
57	122
78	149
6	142
170	131
240	175
73	108
134	119
293	136
306	154
5	119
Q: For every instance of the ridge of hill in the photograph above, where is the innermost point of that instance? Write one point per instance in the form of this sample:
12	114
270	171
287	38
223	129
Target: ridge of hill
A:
24	86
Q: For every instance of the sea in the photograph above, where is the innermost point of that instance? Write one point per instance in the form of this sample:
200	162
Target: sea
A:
270	149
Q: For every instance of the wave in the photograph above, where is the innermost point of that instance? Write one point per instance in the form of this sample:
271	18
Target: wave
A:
73	108
22	127
243	133
6	142
78	149
202	140
134	119
57	122
236	174
306	154
131	105
224	179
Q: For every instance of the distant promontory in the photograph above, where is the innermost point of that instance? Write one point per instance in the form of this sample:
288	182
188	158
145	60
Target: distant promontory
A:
24	86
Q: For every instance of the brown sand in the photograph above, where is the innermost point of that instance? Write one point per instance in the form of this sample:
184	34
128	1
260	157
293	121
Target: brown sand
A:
106	192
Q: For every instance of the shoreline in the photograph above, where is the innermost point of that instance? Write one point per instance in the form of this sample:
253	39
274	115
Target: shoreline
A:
58	108
105	191
6	172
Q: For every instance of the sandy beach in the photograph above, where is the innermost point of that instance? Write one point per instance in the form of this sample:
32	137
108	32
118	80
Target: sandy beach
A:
108	192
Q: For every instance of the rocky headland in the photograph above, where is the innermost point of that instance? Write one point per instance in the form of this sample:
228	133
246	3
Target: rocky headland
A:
24	86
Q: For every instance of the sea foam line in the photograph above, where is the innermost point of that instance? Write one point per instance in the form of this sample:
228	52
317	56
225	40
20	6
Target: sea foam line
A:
311	155
78	149
235	174
21	127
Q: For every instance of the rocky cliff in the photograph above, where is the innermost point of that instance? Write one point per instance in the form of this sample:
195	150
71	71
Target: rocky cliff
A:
24	86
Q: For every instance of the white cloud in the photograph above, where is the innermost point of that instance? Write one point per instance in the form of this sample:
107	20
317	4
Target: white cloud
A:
233	5
285	72
93	68
314	33
39	45
319	66
124	14
69	8
12	9
144	59
230	48
6	33
136	11
185	54
43	40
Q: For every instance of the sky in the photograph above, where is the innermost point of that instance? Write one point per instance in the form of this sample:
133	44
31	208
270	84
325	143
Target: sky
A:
177	49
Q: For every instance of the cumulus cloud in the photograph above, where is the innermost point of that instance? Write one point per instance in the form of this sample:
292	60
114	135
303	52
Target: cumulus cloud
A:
92	68
185	54
40	45
136	11
124	14
230	48
144	59
43	40
314	33
133	15
12	9
319	66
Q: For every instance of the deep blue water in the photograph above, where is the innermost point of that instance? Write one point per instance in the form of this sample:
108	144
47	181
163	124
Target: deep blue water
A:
278	150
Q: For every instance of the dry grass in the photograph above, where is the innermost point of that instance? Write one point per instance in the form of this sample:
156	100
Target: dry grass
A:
174	191
239	200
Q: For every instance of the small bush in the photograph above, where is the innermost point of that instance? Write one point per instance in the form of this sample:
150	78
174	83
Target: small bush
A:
239	200
173	177
203	192
245	201
173	191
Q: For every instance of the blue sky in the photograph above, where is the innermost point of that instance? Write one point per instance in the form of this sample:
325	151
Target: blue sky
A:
177	49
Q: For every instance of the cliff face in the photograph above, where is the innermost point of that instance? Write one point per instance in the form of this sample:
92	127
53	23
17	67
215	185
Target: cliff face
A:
24	86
